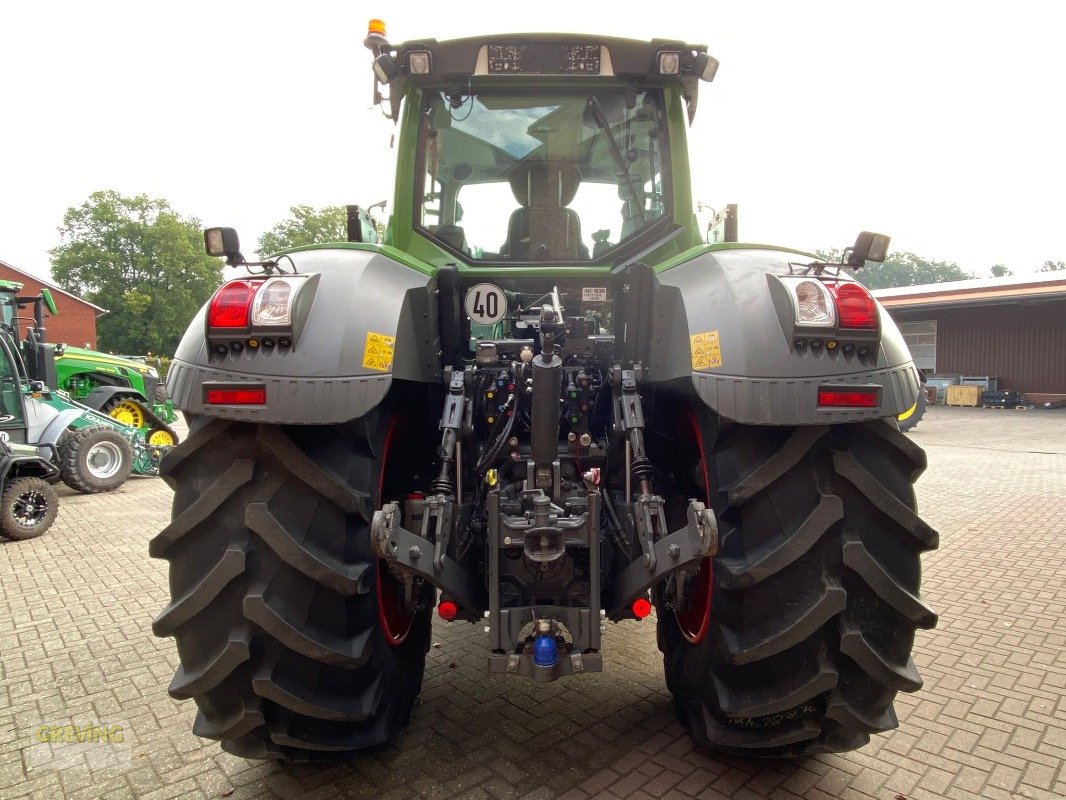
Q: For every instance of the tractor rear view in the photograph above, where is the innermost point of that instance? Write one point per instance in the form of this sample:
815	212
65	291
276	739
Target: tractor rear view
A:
541	406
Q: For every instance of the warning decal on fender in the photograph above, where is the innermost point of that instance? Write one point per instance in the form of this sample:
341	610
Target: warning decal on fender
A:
377	354
706	350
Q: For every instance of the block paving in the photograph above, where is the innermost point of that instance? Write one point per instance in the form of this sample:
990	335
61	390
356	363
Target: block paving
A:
76	645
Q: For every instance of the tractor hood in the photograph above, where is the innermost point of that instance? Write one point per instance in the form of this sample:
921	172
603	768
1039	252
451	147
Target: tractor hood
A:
100	360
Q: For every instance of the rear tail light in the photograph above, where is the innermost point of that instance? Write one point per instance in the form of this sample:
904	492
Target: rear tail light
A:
855	305
812	303
237	396
230	306
848	398
256	303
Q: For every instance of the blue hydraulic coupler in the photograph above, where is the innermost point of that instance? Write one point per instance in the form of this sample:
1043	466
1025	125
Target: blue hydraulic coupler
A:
545	653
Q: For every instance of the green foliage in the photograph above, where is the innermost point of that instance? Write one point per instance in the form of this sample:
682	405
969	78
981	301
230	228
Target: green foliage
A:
1000	271
900	269
141	260
1053	266
306	226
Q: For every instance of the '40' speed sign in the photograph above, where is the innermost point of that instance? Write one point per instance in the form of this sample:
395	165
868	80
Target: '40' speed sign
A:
485	303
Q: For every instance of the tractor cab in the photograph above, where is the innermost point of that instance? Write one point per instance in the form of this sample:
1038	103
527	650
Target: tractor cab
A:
541	149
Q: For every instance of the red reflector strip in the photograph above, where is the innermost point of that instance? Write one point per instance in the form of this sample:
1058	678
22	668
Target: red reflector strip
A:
255	396
837	398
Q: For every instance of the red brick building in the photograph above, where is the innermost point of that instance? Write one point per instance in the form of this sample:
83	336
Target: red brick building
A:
76	322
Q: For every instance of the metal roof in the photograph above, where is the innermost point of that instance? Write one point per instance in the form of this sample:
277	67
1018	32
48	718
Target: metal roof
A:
978	291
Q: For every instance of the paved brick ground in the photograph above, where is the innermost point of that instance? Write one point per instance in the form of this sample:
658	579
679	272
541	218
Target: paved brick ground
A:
75	645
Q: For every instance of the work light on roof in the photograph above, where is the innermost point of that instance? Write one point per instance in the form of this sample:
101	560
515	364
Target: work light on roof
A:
419	62
669	62
385	68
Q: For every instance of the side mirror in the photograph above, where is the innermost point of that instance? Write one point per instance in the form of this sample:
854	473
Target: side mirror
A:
868	247
49	303
361	226
223	242
723	228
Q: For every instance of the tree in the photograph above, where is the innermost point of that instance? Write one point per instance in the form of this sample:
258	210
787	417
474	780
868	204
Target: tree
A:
140	259
306	226
1000	271
1053	266
900	269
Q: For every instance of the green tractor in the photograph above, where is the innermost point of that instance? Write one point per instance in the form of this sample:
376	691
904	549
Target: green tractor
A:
90	450
543	404
127	389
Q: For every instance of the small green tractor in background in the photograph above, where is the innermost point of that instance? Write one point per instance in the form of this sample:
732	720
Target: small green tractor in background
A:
92	451
541	405
127	389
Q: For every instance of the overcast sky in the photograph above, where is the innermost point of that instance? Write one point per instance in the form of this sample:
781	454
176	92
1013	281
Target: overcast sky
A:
938	123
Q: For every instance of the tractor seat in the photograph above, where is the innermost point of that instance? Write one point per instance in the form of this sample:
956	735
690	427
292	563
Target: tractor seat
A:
544	229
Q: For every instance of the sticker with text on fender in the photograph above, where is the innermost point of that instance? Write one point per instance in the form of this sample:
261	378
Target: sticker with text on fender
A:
485	303
706	350
378	350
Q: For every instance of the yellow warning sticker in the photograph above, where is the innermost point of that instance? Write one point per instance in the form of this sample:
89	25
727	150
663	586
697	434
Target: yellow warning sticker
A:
377	354
706	350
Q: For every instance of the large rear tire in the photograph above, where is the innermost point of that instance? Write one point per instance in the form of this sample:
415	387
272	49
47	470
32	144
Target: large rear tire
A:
277	608
815	591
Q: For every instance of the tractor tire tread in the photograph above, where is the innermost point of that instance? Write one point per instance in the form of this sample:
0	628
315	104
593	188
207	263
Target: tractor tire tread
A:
816	595
284	658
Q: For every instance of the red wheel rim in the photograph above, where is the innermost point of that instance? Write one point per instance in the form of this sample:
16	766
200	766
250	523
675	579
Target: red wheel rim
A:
694	622
395	623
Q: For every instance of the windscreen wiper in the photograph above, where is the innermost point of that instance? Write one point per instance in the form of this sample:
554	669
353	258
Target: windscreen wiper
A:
616	154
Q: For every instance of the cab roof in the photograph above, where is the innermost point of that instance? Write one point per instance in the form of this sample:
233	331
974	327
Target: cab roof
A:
544	59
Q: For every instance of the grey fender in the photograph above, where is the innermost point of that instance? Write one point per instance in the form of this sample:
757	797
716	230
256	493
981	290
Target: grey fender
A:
359	296
716	322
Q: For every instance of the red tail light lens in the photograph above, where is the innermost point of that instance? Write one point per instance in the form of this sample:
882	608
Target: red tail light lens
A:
641	607
855	306
447	610
231	305
252	396
848	398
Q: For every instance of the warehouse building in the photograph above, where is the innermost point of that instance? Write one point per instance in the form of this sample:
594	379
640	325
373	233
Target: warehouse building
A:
1012	329
76	322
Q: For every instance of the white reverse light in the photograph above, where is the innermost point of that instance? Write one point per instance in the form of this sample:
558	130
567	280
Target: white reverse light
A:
273	302
812	303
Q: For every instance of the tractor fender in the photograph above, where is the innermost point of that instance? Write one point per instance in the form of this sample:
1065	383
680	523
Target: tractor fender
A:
372	320
719	320
59	423
98	397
